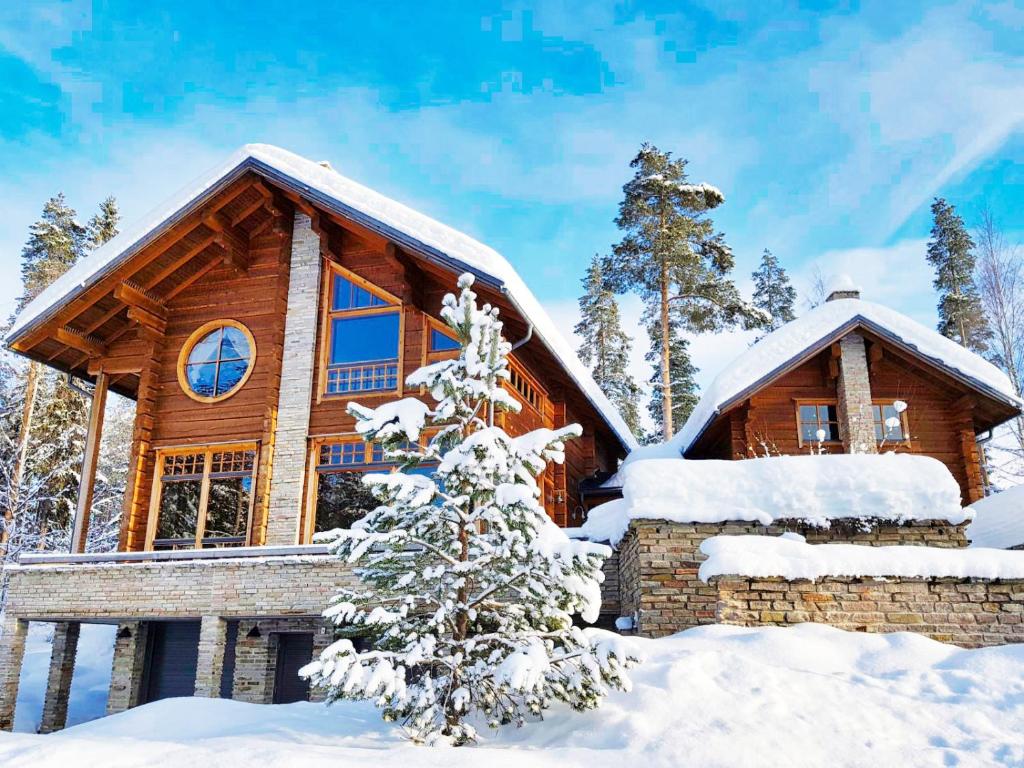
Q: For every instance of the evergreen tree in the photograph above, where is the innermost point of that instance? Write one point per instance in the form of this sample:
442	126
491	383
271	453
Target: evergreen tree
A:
773	292
681	377
55	242
103	225
951	253
605	348
470	587
671	255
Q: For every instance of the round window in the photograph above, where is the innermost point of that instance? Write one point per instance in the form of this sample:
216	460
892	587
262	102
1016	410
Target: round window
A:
216	361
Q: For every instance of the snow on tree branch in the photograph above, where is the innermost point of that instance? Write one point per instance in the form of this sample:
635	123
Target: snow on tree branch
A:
468	589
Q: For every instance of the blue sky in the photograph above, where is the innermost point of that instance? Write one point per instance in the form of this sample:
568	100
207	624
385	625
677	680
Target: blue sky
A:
829	126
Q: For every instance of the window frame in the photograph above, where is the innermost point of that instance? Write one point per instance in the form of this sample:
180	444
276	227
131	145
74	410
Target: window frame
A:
368	465
430	356
817	402
198	335
904	424
328	315
156	492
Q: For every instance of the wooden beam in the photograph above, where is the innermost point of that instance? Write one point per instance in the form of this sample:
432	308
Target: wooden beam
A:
179	262
149	321
87	479
235	248
116	368
76	339
248	211
135	296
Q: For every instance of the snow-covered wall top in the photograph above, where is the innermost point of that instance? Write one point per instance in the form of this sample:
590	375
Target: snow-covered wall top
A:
998	520
790	557
815	489
777	351
324	185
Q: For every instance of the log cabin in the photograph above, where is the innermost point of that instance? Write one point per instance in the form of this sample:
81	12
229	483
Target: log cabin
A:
850	376
242	318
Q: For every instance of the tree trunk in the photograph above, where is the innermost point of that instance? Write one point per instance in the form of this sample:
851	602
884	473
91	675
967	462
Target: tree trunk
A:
666	377
24	432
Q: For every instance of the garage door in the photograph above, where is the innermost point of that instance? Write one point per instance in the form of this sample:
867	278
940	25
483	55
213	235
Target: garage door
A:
172	654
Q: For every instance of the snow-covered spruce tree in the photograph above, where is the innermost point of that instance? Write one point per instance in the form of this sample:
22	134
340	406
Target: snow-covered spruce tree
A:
951	253
671	255
103	225
681	376
605	347
469	588
773	292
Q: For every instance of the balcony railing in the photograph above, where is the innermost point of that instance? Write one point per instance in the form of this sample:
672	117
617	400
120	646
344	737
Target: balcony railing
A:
362	377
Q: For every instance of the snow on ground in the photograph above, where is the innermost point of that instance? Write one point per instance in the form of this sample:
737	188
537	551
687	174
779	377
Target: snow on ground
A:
808	695
790	557
998	520
813	488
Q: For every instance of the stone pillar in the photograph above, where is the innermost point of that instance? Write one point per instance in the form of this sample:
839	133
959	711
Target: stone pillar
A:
323	636
856	424
12	651
255	657
297	369
128	667
62	669
213	635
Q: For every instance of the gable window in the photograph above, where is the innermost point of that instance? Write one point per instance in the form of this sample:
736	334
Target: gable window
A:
818	422
202	497
443	342
889	422
364	337
216	361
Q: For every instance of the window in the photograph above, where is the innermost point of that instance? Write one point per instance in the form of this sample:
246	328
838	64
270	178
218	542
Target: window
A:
819	422
202	497
364	336
216	361
888	422
443	342
341	497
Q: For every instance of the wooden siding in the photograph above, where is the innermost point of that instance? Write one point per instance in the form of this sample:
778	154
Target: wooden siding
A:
939	414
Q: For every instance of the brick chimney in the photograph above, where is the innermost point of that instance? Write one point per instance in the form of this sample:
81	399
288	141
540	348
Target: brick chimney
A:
843	287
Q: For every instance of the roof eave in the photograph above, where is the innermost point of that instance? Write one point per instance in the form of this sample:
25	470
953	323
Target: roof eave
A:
815	347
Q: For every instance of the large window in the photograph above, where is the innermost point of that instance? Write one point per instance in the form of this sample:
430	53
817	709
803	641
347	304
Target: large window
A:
818	422
341	496
216	360
364	337
202	497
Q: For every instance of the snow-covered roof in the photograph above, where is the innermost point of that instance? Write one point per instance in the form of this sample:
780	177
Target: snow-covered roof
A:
326	187
813	489
806	335
790	557
998	520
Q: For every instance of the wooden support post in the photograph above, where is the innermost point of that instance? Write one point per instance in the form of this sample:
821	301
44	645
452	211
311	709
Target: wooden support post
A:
87	481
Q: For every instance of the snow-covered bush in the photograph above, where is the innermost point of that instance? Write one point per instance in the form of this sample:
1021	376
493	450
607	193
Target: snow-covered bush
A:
469	588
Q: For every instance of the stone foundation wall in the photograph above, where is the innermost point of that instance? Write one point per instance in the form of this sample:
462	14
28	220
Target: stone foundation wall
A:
658	563
966	612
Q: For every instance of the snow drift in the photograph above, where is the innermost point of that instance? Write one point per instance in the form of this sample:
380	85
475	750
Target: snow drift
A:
998	520
716	696
815	489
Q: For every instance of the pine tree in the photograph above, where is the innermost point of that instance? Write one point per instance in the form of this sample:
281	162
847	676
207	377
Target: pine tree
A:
103	225
681	376
470	589
55	242
951	253
671	255
773	292
605	348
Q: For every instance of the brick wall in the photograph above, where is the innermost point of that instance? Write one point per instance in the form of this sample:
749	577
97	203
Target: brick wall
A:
659	561
966	612
294	585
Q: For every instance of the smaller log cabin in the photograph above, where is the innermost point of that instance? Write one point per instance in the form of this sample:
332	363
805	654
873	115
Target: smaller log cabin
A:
854	376
242	319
